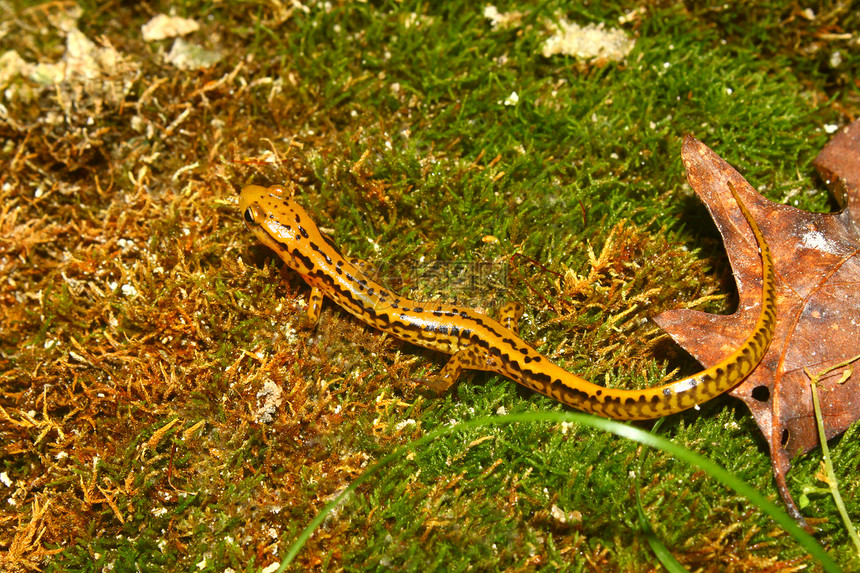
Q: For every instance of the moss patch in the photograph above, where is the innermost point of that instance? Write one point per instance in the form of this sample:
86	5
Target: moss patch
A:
142	329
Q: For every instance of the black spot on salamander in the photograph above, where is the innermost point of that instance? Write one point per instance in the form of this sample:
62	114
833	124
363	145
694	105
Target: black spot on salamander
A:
441	329
492	331
383	321
545	378
324	277
455	330
315	247
302	231
298	218
331	244
417	309
437	313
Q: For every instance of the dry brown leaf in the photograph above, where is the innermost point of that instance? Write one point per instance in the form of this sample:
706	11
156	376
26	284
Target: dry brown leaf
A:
818	310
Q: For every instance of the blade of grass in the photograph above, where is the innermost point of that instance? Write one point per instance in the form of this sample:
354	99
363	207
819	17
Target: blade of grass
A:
662	552
830	475
623	430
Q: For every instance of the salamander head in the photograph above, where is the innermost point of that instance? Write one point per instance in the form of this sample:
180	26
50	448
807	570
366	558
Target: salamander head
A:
281	224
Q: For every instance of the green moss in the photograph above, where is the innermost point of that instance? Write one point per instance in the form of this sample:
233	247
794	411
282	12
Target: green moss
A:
135	296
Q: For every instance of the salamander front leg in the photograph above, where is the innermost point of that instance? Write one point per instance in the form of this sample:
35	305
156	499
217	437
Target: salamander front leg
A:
315	301
509	316
470	358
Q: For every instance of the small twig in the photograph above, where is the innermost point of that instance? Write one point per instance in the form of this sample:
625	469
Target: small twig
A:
830	475
528	284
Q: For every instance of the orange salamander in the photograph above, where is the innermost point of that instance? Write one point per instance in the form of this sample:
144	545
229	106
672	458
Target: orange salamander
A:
474	340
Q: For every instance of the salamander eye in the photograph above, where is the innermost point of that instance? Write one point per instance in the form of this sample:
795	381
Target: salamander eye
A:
249	216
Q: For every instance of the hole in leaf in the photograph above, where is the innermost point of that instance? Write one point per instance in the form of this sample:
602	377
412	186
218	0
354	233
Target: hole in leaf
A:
784	439
761	393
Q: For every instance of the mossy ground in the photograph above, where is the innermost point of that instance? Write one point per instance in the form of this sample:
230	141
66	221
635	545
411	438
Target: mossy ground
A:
141	322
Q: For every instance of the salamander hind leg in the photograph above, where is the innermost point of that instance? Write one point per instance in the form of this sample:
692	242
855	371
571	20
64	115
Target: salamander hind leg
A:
470	358
509	316
315	301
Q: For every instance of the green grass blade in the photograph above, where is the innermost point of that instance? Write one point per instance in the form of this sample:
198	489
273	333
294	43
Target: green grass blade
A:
832	482
667	560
